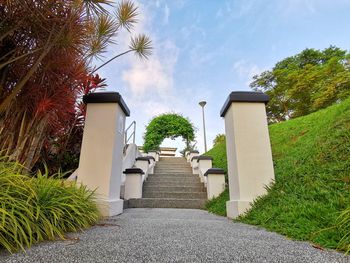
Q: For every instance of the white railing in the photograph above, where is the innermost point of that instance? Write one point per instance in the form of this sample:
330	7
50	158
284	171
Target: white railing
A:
132	135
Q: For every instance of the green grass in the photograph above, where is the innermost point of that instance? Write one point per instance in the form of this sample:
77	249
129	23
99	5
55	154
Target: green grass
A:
33	209
312	169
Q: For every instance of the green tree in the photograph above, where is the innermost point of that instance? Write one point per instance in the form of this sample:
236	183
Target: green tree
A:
168	125
220	138
306	82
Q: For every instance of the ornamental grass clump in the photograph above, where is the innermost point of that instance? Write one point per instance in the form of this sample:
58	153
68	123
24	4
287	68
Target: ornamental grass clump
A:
33	209
343	223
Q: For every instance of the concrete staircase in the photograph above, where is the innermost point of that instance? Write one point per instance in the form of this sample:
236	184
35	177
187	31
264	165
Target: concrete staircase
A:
171	186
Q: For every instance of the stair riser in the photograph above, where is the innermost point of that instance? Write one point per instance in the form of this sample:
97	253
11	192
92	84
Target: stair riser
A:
171	172
173	169
173	184
160	203
172	175
199	195
171	189
171	180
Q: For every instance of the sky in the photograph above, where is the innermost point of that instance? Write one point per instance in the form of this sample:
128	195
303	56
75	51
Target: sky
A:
204	49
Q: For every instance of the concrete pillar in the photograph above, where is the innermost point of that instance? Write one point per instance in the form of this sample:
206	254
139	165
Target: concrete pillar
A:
194	165
215	182
204	163
100	164
154	154
249	158
191	155
133	183
151	164
143	163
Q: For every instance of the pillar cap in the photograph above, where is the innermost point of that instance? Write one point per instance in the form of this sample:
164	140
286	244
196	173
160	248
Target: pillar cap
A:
150	158
243	96
214	171
194	158
143	158
204	158
107	97
133	171
153	151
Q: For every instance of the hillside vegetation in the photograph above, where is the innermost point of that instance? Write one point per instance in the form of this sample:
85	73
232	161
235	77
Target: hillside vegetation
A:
312	169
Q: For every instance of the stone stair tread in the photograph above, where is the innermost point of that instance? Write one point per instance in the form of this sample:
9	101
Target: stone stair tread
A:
166	203
174	189
178	195
172	185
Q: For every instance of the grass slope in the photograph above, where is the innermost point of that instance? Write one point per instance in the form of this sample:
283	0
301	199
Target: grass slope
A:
312	168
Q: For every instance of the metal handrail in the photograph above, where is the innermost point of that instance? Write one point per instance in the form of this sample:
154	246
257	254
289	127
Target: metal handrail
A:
126	138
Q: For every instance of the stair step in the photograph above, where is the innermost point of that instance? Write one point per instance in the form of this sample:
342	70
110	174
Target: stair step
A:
170	179
171	189
187	175
174	183
178	195
171	172
166	203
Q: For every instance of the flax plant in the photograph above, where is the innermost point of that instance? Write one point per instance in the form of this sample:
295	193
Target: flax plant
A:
47	50
33	209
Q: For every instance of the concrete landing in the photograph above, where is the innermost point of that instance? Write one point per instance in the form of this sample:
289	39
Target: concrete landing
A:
174	235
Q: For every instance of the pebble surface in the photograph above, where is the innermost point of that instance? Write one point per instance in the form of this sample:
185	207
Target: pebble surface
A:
173	235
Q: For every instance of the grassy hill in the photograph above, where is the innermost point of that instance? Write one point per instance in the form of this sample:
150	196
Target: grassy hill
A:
312	168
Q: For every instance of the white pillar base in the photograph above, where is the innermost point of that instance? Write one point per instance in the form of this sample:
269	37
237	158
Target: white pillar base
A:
235	208
110	207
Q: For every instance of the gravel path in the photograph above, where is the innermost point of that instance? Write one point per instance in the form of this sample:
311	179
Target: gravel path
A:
174	235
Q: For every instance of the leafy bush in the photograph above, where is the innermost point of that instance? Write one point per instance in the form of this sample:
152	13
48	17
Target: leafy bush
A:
33	209
168	125
312	164
305	83
220	138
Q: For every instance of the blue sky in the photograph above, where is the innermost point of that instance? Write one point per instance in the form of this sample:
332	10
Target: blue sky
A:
204	49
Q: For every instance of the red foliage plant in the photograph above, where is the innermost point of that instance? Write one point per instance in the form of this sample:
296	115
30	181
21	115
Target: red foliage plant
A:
46	48
43	73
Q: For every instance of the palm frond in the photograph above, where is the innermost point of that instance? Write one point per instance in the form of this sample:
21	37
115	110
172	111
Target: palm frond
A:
126	14
142	45
104	29
94	7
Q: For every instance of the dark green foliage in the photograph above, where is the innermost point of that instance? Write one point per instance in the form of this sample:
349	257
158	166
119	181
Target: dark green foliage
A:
219	139
218	205
305	83
169	125
33	209
312	188
218	152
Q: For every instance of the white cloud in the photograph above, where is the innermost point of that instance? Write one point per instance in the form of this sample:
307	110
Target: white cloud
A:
154	75
246	70
166	14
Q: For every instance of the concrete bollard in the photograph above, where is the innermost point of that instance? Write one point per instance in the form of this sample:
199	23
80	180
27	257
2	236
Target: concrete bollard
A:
143	163
204	163
191	155
194	165
215	182
151	165
154	154
249	158
100	164
133	183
